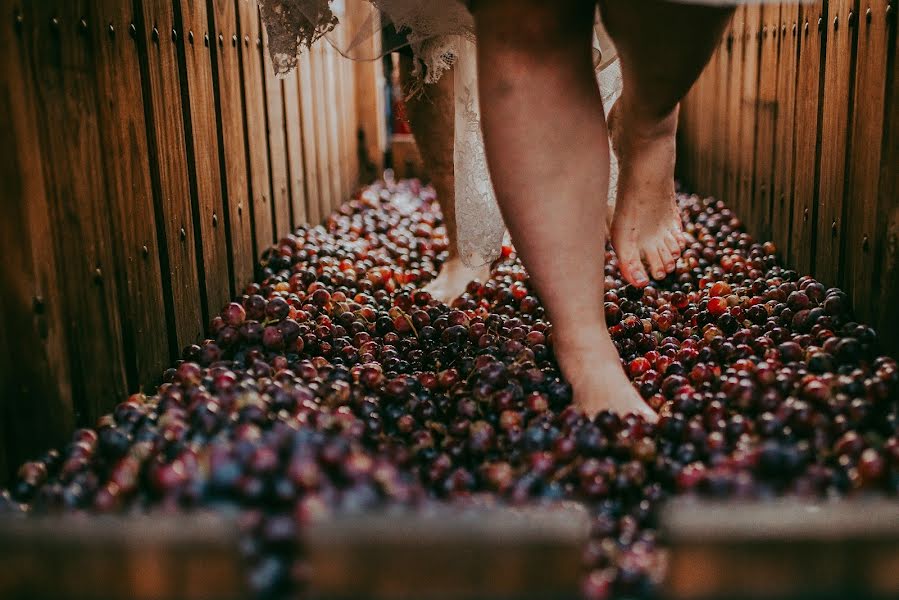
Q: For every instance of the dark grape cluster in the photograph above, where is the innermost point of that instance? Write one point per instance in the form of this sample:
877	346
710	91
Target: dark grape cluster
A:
336	385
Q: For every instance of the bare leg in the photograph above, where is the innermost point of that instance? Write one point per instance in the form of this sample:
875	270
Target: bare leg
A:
432	116
547	146
663	47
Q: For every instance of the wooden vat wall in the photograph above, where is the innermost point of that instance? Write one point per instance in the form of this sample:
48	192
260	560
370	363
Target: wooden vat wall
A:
149	155
795	125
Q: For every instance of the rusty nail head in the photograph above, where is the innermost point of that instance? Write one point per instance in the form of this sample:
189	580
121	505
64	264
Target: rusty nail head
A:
805	214
820	23
215	220
145	251
206	39
246	40
155	34
836	22
865	242
850	18
190	37
98	275
183	233
174	35
833	228
794	28
234	40
132	29
221	40
240	208
868	14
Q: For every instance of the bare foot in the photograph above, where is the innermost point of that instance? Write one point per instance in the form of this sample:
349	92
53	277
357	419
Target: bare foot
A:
453	278
592	366
646	228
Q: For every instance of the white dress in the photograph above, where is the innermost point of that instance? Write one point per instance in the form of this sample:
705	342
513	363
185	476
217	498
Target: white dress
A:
441	35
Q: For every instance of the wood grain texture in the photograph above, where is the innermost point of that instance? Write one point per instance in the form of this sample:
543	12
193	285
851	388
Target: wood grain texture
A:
749	112
254	113
127	169
369	78
732	172
232	141
310	124
61	62
277	144
203	153
169	159
766	122
838	69
806	128
331	109
864	232
782	184
293	129
36	397
322	131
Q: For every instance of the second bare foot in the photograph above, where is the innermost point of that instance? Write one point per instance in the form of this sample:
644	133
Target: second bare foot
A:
453	278
646	230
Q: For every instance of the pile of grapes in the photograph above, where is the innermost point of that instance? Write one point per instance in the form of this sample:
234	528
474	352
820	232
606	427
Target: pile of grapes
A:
336	385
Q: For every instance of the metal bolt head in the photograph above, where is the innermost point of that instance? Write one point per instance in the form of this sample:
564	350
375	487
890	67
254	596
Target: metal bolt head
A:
54	24
221	40
20	21
155	34
836	22
206	39
132	30
111	30
868	14
183	234
259	42
215	220
83	24
805	214
850	18
190	37
145	251
246	40
98	275
805	28
234	40
794	28
174	35
820	24
865	243
833	228
37	304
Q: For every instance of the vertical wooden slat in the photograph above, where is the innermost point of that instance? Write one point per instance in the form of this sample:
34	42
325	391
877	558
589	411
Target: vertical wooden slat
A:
277	144
700	130
863	224
203	152
36	403
322	129
232	141
332	114
838	66
369	78
782	189
293	129
169	157
256	138
310	126
732	171
766	122
806	131
62	55
719	115
888	201
127	169
748	116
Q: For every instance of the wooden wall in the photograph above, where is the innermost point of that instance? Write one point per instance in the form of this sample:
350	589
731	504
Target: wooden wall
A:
795	124
148	155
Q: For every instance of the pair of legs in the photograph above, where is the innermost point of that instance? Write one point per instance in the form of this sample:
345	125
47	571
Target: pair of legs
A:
547	146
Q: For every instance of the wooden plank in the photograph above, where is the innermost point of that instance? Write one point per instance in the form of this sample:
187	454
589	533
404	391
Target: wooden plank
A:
781	549
496	553
36	404
863	224
838	72
254	111
154	557
782	189
232	141
293	127
700	131
732	172
807	128
322	139
766	122
277	143
61	63
887	256
203	154
370	112
331	112
168	153
719	116
748	118
123	131
306	92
